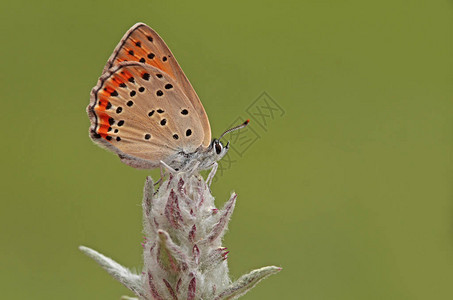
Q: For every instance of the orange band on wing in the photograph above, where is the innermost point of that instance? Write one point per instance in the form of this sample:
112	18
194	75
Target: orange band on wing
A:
103	117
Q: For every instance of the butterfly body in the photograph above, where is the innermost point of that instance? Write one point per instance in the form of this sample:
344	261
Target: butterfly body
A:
145	110
200	159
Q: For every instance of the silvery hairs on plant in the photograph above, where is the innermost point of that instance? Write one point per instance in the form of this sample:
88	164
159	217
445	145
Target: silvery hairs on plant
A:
182	251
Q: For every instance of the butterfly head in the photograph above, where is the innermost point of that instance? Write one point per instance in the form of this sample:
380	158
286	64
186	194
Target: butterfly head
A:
217	150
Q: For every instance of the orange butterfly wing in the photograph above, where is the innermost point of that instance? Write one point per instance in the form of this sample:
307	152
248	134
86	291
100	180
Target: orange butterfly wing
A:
143	44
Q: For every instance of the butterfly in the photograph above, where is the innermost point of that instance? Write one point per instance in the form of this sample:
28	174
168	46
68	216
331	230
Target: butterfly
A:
145	110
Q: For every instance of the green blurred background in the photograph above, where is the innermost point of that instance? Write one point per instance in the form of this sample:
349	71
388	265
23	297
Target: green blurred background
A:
350	191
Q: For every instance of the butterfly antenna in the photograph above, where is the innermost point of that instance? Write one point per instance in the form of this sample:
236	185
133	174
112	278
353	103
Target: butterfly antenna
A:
235	128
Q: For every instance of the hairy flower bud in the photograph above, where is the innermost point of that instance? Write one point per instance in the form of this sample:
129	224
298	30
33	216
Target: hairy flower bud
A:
182	251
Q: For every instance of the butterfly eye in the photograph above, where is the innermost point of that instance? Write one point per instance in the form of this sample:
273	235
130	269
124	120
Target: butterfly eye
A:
218	148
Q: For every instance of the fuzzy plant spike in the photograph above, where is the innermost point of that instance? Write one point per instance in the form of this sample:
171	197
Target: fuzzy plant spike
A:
182	249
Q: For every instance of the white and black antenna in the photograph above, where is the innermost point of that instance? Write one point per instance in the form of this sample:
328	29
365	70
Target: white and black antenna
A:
235	128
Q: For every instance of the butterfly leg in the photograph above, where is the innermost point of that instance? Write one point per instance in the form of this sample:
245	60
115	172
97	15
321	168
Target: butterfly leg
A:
212	174
193	169
162	175
170	169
